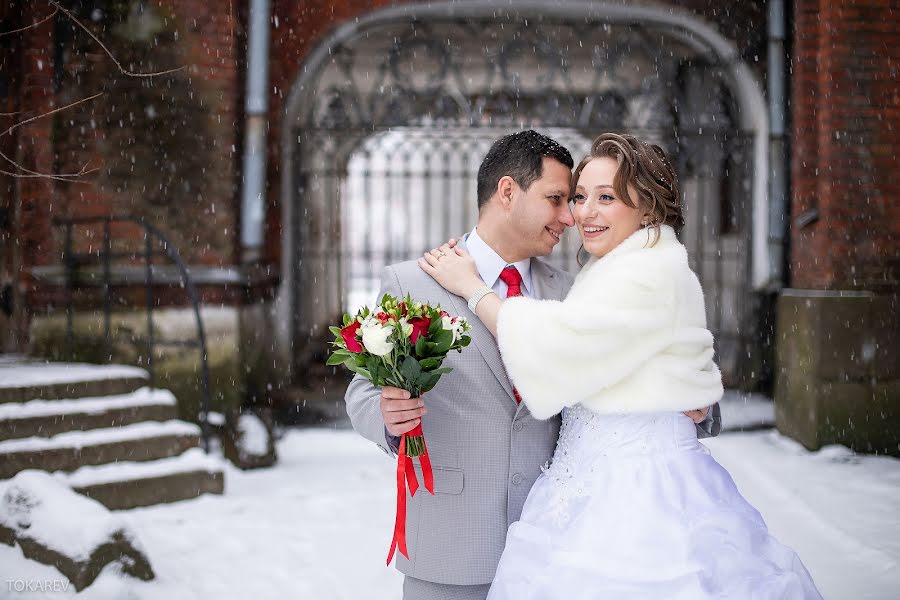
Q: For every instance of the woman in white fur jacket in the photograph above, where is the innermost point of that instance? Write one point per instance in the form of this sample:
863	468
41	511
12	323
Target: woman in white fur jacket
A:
632	506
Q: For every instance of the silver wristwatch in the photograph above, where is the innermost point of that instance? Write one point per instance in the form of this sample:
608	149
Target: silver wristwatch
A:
475	298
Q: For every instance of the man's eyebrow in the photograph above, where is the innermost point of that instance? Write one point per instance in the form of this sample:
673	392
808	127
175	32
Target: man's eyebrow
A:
557	192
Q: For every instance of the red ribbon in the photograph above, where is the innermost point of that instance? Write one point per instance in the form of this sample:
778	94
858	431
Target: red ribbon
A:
406	475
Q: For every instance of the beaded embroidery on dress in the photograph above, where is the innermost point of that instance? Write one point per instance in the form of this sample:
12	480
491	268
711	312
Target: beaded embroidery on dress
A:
633	506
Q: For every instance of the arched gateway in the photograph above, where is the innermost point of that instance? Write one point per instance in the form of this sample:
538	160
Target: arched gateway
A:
391	115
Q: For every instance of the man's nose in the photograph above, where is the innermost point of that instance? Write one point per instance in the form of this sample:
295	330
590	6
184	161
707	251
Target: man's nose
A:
565	216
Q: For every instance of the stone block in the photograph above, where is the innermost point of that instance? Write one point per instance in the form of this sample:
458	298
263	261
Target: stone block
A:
837	376
58	527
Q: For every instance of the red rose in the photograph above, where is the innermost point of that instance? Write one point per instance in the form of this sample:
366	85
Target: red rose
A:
349	335
383	317
420	326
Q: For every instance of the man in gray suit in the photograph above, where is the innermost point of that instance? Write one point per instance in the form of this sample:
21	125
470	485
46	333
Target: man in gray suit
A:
486	449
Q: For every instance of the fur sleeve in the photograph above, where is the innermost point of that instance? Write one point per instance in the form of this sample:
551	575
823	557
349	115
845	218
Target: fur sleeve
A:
561	353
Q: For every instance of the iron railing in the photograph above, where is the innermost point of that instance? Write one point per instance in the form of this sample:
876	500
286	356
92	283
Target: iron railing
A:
73	261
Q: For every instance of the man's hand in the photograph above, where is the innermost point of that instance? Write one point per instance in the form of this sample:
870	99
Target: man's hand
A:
400	412
697	416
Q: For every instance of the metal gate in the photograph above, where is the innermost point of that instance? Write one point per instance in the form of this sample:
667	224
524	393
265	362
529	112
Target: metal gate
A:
398	120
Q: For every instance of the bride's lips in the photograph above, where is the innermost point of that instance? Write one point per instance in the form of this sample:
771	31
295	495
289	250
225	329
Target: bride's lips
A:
593	231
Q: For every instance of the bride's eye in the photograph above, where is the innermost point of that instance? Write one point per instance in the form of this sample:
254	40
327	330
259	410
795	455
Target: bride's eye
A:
607	198
577	198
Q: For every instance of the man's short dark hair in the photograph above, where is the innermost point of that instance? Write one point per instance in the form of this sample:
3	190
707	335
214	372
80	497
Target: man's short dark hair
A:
521	156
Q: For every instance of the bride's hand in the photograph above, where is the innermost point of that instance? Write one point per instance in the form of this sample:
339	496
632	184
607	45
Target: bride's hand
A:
453	268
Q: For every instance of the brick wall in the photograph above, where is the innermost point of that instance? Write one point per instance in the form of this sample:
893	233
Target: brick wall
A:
164	147
845	144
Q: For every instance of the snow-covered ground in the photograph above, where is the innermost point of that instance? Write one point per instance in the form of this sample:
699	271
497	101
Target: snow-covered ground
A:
318	524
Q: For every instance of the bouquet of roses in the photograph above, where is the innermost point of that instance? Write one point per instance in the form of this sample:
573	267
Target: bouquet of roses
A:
401	343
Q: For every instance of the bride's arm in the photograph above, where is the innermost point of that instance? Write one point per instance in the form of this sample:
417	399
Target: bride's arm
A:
455	270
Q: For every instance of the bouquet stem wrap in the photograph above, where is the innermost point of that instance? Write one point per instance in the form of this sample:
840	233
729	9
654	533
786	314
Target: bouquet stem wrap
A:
412	444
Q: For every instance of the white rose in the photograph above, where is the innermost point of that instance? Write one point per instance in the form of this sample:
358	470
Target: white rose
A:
374	337
457	327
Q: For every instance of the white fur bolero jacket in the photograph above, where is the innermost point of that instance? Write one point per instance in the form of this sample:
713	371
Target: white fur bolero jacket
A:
630	337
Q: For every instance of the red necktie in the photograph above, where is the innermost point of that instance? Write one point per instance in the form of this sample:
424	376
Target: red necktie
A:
513	280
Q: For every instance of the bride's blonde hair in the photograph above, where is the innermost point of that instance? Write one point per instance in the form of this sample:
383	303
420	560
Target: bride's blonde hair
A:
649	171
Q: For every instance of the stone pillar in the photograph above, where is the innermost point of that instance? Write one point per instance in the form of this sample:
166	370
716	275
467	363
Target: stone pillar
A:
837	378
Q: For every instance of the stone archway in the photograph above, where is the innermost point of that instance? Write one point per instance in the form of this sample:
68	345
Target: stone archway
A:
447	70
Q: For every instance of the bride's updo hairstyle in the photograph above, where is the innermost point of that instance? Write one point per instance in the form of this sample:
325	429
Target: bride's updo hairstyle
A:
648	170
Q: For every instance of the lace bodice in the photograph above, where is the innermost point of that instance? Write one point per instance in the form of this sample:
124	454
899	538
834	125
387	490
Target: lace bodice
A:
587	440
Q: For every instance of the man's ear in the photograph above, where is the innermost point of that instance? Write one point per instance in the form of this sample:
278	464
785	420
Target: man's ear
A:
505	189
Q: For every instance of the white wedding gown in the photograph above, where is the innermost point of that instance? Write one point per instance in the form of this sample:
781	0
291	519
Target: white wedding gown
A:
634	507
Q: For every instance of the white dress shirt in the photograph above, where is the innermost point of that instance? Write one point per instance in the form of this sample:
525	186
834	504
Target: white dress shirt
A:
490	264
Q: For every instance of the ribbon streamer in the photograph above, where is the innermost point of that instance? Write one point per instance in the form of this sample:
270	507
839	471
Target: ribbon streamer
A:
406	476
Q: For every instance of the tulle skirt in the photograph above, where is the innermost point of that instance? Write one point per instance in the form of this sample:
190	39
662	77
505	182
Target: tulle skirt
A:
647	514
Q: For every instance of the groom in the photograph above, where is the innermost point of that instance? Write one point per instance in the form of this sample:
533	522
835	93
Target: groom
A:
486	449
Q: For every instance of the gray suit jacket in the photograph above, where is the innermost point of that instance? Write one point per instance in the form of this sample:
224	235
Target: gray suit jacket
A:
486	450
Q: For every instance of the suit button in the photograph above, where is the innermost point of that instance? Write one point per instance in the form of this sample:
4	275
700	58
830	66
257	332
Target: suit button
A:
518	426
517	478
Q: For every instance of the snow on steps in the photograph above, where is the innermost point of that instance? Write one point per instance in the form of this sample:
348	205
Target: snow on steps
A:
132	484
22	380
102	431
70	450
47	418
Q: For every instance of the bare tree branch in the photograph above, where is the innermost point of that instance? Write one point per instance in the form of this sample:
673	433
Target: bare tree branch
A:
25	172
48	113
47	18
107	50
68	178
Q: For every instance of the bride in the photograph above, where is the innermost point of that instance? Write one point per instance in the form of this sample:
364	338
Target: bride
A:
632	505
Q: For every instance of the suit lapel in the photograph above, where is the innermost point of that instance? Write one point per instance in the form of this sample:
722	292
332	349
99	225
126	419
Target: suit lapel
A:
547	286
483	340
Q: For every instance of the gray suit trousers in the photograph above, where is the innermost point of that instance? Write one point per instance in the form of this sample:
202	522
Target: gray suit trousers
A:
417	589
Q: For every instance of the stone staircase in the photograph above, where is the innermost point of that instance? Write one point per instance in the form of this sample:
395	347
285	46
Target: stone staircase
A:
103	432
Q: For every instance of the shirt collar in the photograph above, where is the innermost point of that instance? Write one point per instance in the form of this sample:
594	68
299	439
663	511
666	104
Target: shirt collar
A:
490	263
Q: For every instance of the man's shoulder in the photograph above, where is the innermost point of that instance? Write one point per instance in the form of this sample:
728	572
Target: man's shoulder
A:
408	270
411	279
544	269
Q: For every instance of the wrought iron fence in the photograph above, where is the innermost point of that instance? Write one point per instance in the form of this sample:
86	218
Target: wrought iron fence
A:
155	244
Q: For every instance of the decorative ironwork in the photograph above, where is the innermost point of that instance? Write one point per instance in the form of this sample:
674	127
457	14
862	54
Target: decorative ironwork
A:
392	128
554	74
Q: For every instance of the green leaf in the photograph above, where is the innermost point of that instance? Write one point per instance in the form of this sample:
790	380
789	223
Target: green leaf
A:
443	340
430	363
442	371
435	327
410	369
335	331
421	347
338	358
347	319
427	381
